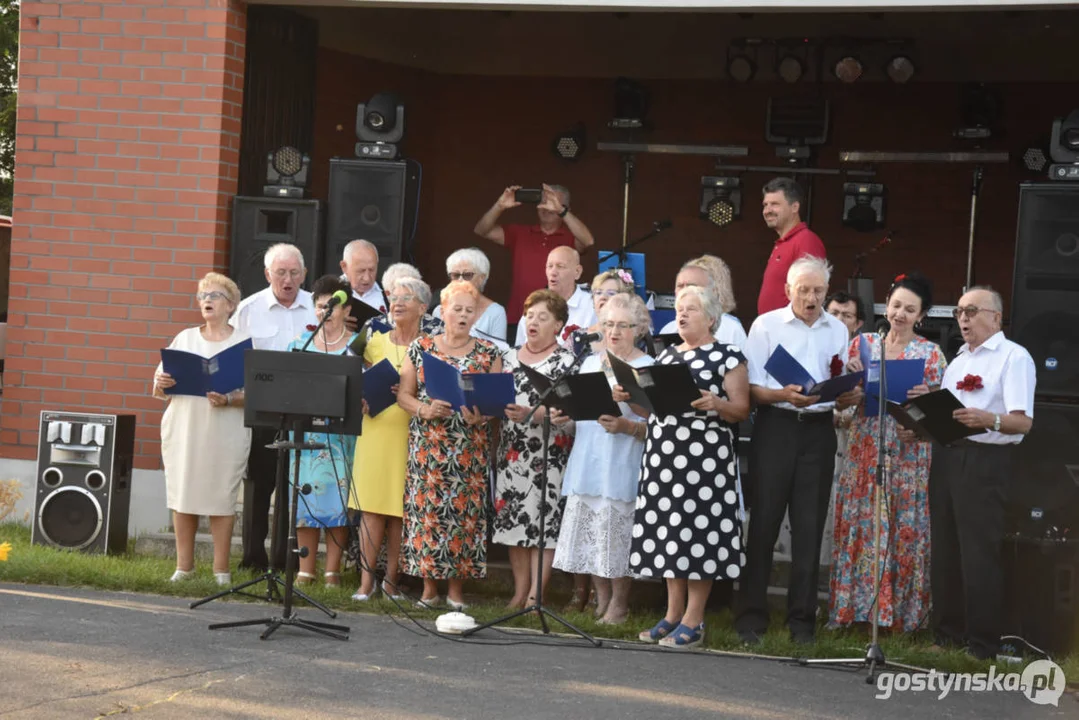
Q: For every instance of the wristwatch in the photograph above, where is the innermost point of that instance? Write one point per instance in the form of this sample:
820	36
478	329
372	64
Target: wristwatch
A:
996	423
565	211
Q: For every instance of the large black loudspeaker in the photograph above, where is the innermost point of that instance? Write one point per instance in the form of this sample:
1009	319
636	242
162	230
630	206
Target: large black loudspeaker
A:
84	467
1044	492
258	223
371	200
1042	592
1045	295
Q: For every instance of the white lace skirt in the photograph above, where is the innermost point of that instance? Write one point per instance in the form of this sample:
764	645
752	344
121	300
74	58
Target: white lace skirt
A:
595	537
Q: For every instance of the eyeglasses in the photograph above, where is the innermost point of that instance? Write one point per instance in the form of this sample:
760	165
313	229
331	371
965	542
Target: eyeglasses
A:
282	274
461	275
400	298
212	296
970	311
623	326
606	293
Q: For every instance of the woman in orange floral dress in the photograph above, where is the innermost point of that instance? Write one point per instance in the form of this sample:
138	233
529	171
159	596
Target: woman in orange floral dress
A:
445	525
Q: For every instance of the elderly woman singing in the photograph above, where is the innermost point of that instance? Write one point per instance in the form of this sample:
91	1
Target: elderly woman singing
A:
445	528
686	527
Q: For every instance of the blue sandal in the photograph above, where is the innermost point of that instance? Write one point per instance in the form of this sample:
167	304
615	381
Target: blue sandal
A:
660	631
684	637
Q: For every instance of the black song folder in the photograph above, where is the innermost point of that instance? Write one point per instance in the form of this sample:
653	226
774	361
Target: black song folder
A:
661	389
930	416
582	397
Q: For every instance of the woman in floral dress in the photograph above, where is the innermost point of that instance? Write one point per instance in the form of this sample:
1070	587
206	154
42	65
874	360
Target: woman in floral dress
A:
445	527
520	479
904	534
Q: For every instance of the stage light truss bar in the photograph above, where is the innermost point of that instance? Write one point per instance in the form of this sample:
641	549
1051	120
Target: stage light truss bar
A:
873	156
712	150
794	170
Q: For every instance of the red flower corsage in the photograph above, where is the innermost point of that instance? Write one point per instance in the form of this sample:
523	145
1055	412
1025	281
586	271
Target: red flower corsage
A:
499	504
569	331
836	366
382	309
312	328
969	383
899	278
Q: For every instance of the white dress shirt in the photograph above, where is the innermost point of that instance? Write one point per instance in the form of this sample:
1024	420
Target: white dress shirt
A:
581	313
1008	377
812	346
373	297
729	332
271	325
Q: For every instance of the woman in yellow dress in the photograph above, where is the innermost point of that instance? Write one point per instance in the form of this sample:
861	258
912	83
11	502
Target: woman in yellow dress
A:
378	470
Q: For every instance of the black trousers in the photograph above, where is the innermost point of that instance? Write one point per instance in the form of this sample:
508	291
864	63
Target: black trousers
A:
792	458
258	489
967	495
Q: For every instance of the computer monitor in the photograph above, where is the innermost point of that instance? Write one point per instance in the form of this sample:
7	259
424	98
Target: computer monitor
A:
324	391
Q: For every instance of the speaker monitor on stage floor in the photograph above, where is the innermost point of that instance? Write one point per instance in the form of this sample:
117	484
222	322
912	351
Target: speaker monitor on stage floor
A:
258	223
1045	294
83	483
373	200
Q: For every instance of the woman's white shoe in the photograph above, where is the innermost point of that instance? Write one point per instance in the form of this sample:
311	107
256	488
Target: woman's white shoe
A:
181	575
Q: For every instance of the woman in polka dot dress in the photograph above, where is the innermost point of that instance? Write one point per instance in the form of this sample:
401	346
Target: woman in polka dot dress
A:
686	526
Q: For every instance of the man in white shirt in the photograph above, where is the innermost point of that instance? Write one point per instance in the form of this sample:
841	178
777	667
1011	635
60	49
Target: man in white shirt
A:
792	454
273	317
563	271
359	263
994	379
730	330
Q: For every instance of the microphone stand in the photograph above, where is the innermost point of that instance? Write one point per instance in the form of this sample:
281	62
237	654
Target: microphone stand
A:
657	228
538	606
874	657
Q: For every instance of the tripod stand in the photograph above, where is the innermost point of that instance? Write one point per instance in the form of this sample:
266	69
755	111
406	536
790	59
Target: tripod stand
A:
874	656
538	606
288	614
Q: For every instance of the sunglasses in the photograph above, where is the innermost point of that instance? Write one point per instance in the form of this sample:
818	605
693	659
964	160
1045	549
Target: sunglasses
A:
461	275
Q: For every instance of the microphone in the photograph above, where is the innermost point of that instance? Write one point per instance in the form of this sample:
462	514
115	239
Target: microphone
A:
592	337
338	298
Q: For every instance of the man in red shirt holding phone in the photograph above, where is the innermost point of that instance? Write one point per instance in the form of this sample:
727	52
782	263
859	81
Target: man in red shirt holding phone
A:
529	245
782	212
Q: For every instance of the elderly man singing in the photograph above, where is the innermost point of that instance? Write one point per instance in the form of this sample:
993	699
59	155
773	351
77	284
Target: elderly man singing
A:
793	449
273	317
563	271
359	263
994	379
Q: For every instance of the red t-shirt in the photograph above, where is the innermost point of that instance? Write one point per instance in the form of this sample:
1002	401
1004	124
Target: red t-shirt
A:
529	247
798	242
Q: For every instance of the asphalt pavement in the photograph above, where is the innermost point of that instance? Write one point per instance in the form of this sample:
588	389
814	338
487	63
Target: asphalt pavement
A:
72	653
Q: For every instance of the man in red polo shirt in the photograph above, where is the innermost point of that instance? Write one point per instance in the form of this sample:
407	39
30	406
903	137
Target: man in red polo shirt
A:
529	245
782	208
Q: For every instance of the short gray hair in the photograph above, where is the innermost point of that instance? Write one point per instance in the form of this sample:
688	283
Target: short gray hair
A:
709	303
809	264
417	287
397	272
631	303
474	258
281	251
994	296
561	189
355	246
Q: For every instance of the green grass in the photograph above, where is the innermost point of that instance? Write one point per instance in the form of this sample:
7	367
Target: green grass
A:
29	563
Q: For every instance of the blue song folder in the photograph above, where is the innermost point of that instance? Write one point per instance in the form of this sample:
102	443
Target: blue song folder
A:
196	375
377	383
490	392
902	376
788	371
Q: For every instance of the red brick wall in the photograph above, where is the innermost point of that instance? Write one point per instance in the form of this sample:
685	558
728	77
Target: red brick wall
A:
475	135
126	161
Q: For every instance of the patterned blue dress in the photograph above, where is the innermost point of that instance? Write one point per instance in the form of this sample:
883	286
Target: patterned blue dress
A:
327	471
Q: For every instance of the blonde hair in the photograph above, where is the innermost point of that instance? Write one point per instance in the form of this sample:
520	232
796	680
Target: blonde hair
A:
456	288
623	286
232	292
631	303
719	274
708	300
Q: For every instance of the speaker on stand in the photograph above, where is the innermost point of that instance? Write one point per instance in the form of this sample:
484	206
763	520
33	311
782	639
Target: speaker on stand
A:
84	481
258	223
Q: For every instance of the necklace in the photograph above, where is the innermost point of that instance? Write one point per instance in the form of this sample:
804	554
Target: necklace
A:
540	352
329	343
397	346
446	343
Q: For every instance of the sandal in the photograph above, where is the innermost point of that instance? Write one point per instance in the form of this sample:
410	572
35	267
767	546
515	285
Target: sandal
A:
657	633
364	597
393	592
332	579
684	637
304	578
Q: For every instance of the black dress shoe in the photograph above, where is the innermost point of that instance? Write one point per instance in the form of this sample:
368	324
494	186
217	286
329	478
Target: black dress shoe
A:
749	637
803	637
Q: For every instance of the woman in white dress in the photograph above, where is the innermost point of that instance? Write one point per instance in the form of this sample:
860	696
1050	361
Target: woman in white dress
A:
471	264
204	443
712	273
600	483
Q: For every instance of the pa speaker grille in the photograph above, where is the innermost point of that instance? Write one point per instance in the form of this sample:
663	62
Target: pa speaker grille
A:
70	517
